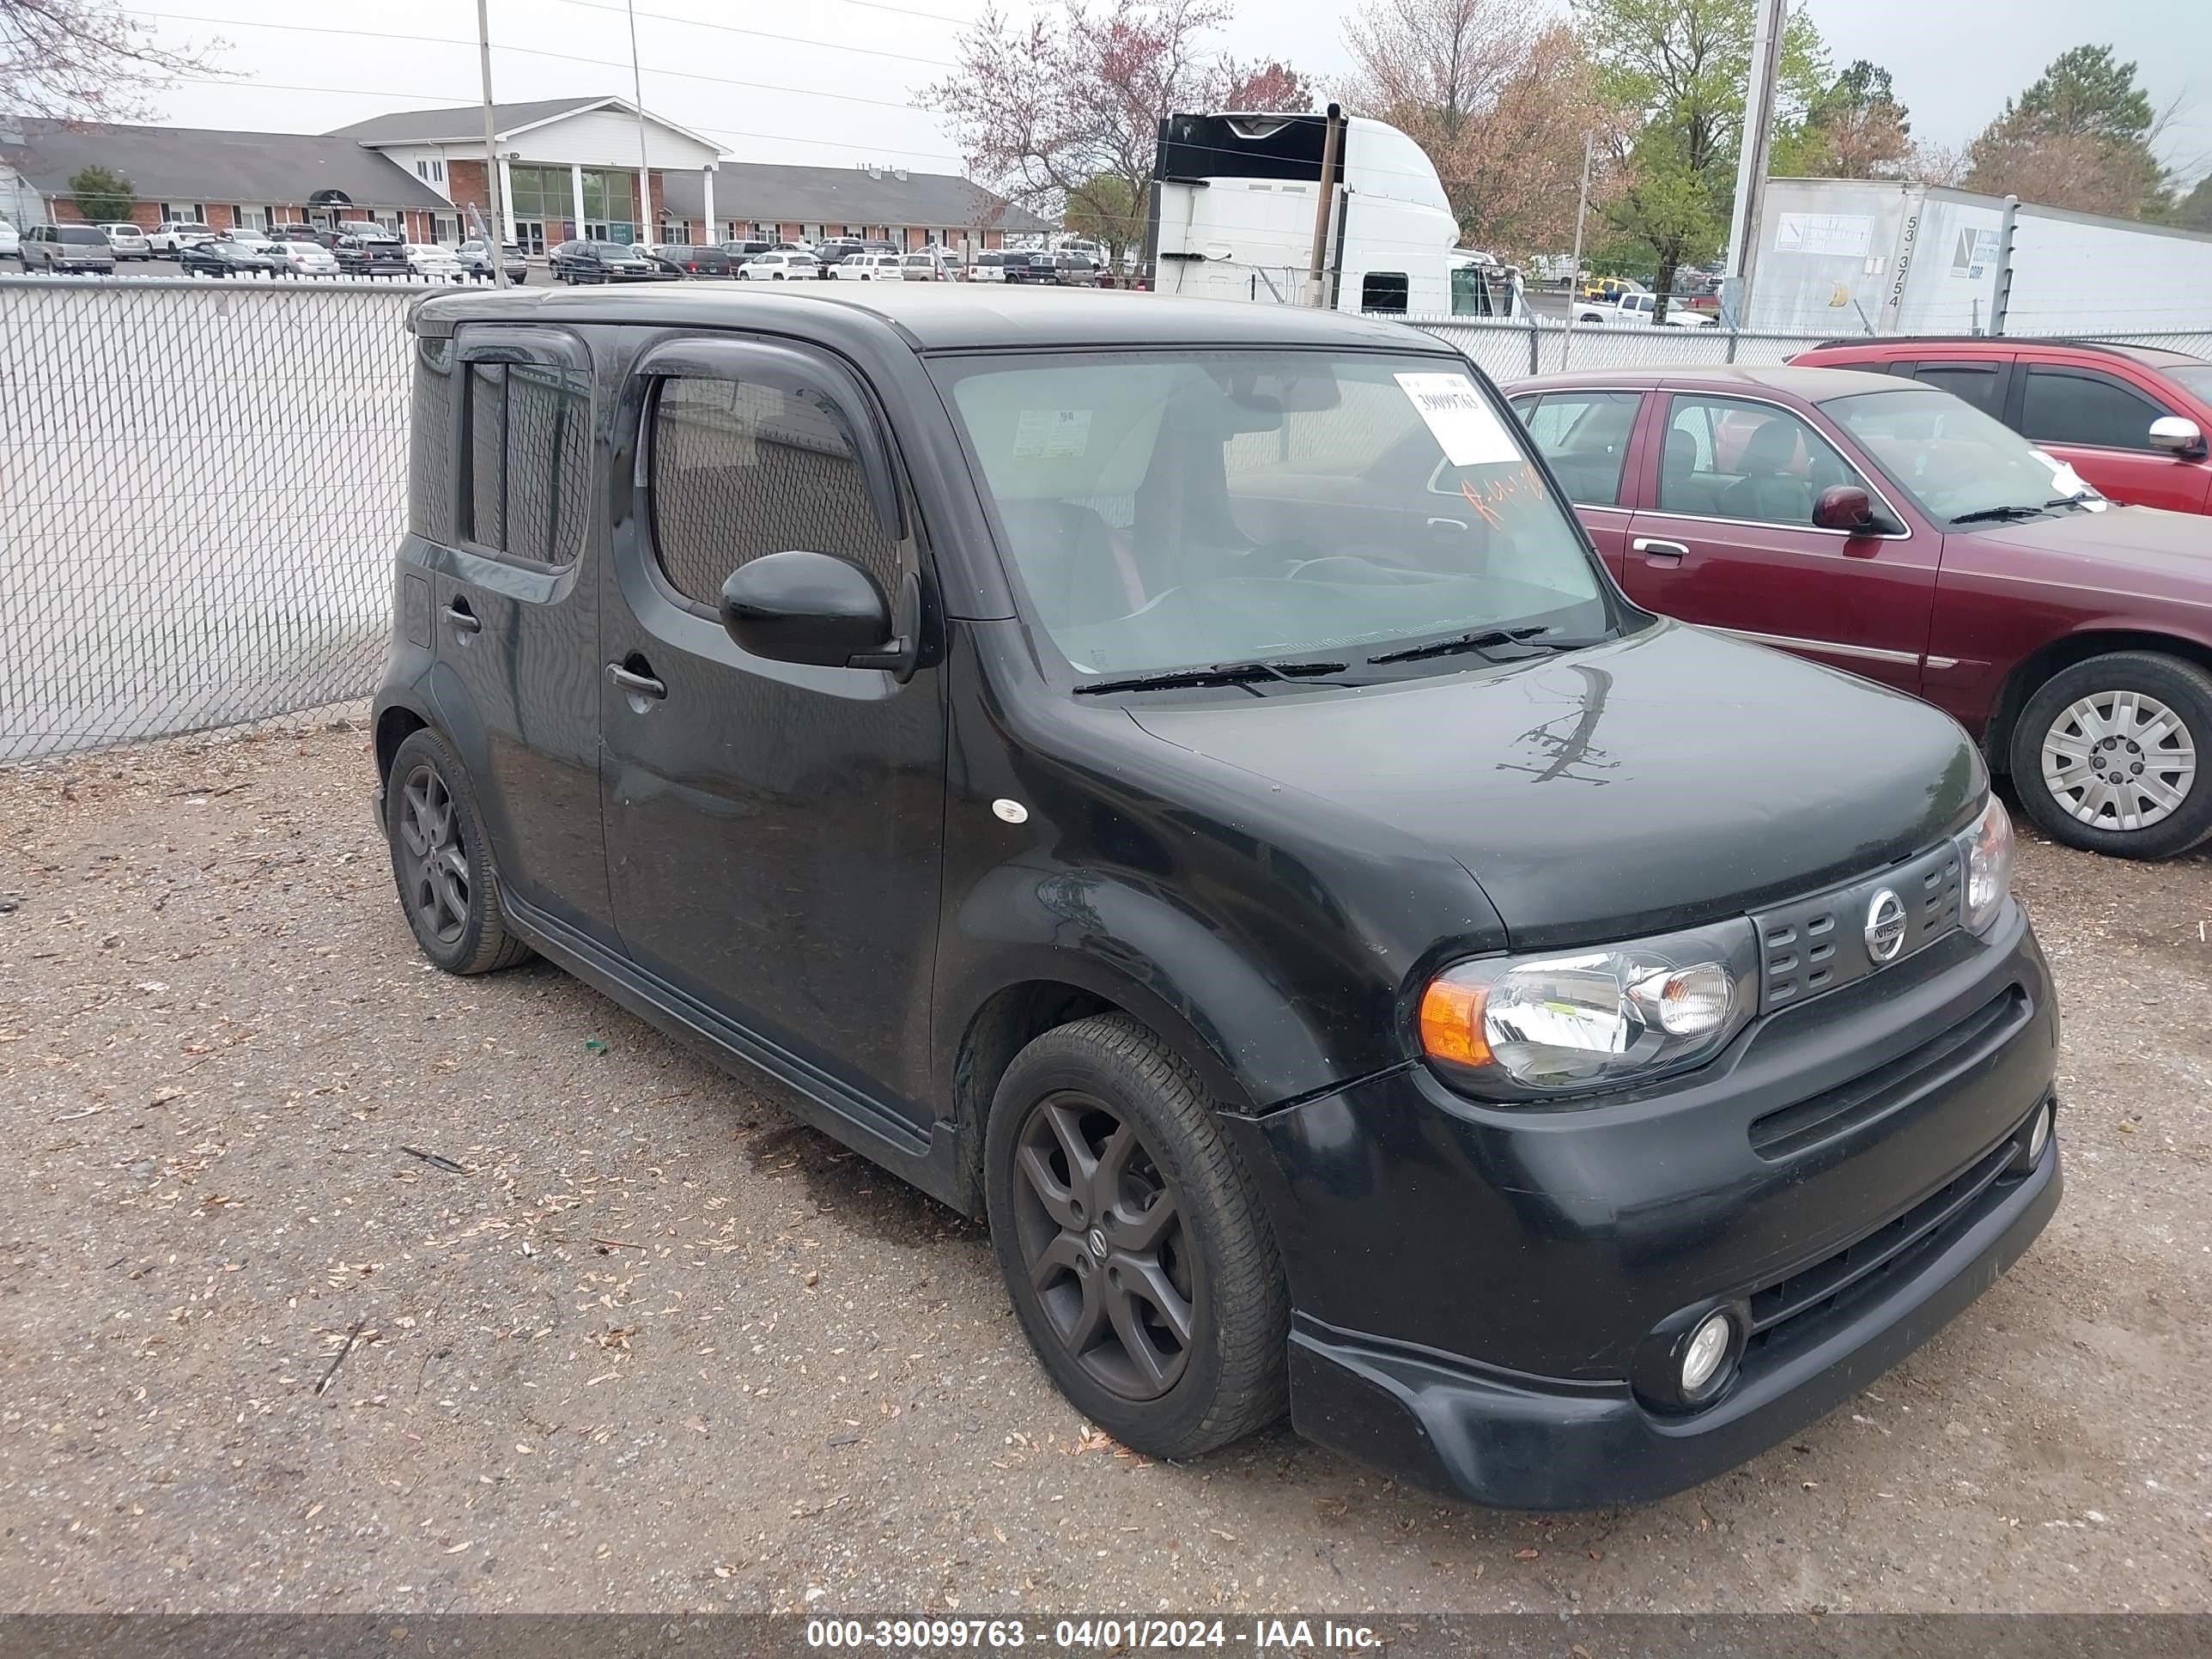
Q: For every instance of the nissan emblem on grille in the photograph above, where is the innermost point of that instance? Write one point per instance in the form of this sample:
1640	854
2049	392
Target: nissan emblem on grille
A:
1884	926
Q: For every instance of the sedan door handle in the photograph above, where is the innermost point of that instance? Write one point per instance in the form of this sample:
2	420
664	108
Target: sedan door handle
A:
463	618
643	684
1660	552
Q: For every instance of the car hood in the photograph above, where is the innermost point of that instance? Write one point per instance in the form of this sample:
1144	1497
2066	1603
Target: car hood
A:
1662	781
2136	539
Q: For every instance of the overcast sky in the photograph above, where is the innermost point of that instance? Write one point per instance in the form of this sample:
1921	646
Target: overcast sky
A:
1954	62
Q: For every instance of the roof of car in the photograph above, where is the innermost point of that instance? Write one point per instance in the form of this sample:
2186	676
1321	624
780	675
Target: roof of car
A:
1905	346
949	316
1809	383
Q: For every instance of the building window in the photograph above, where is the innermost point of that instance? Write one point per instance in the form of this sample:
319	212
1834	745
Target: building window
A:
438	172
542	193
445	228
762	233
184	213
742	469
530	459
421	169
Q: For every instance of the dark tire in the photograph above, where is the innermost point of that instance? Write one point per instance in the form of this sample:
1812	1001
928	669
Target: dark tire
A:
1133	1241
2114	756
441	860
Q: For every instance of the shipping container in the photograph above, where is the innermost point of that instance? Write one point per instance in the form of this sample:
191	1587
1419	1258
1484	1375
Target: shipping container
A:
1856	256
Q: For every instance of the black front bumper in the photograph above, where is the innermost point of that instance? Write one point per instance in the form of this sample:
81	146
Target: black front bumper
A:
1483	1294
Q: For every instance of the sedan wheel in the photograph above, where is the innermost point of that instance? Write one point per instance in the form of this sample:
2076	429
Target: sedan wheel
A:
2108	754
441	863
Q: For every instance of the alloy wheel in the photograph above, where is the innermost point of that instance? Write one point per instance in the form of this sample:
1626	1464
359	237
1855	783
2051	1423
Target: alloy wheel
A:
2118	760
435	863
1101	1232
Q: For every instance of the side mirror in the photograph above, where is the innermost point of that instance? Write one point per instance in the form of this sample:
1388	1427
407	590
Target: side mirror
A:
2177	436
811	607
1844	507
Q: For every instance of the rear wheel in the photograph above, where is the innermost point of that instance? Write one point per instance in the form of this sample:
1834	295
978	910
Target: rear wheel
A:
1133	1241
441	860
2111	755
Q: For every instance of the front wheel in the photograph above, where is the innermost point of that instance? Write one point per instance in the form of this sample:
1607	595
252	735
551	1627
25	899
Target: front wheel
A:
1132	1240
2107	755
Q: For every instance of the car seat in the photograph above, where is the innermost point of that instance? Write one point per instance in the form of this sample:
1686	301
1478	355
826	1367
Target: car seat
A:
1768	492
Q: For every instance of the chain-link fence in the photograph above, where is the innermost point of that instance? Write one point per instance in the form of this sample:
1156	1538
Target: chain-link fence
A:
201	484
200	487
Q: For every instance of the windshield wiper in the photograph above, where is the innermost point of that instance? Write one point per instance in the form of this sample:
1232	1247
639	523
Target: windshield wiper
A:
2014	513
1483	643
1219	673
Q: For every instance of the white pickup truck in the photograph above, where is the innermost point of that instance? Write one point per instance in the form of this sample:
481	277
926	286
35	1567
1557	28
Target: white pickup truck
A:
1635	311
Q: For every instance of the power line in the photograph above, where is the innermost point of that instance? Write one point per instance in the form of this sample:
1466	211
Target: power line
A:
793	39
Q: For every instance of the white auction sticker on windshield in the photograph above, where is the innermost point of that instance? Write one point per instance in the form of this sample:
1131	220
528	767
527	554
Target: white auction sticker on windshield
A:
1462	420
1053	435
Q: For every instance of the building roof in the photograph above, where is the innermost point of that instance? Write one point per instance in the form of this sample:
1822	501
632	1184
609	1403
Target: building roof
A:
843	196
408	126
944	316
202	164
463	123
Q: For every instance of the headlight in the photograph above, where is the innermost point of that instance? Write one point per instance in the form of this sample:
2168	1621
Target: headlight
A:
1530	1027
1985	855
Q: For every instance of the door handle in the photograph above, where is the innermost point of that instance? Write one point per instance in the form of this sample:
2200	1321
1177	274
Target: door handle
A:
643	684
460	616
1660	552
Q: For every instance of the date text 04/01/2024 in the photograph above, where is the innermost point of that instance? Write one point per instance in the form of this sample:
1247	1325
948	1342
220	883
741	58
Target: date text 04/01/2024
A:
1110	1635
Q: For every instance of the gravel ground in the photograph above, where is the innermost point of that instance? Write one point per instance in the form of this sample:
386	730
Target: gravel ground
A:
630	1339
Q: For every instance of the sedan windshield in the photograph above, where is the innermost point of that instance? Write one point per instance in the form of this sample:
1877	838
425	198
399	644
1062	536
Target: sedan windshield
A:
1958	465
1188	509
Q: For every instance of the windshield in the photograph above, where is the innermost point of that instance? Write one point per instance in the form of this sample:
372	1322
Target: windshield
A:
1182	509
618	250
2196	377
1954	461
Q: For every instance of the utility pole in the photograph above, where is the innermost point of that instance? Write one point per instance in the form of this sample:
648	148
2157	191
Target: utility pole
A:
1757	151
1575	275
644	162
1317	263
495	235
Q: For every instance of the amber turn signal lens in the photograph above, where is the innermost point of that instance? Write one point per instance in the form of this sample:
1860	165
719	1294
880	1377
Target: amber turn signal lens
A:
1451	1023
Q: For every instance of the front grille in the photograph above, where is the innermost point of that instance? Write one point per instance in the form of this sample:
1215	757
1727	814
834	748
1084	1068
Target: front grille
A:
1814	945
1889	1251
1873	1095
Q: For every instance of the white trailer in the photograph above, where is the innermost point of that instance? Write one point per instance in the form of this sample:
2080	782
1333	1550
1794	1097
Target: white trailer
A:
1854	256
1238	201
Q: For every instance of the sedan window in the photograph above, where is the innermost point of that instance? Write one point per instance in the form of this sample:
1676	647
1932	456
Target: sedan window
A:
2078	406
1726	458
1584	436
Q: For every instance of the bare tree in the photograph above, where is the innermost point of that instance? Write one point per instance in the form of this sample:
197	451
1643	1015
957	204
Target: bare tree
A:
1048	110
1429	67
84	60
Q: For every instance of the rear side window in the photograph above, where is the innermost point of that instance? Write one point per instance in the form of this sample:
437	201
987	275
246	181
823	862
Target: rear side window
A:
2079	406
1979	384
530	459
430	428
740	469
1383	290
1584	436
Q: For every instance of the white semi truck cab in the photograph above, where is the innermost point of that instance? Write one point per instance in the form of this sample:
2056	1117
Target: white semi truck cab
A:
1237	212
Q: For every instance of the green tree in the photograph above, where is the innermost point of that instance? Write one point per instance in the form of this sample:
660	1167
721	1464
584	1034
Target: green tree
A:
1107	210
1684	65
101	196
2082	136
2194	210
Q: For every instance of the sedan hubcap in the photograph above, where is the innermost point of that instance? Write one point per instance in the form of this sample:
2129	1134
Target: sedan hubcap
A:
2118	760
434	866
1101	1233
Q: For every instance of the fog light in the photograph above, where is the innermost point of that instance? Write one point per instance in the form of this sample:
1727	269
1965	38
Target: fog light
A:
2038	1132
1708	1349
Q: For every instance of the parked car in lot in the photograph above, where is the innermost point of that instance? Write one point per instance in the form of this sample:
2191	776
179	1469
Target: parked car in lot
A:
780	264
437	264
990	265
128	240
926	266
1641	310
1033	267
1892	529
370	256
745	249
835	249
869	268
171	235
11	242
67	250
697	261
303	259
1247	851
2132	420
475	258
602	262
1080	271
247	238
223	259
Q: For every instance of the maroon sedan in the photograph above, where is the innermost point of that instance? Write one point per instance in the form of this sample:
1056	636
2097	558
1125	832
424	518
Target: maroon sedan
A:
1890	529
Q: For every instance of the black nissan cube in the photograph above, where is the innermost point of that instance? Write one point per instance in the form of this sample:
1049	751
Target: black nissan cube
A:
1170	778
